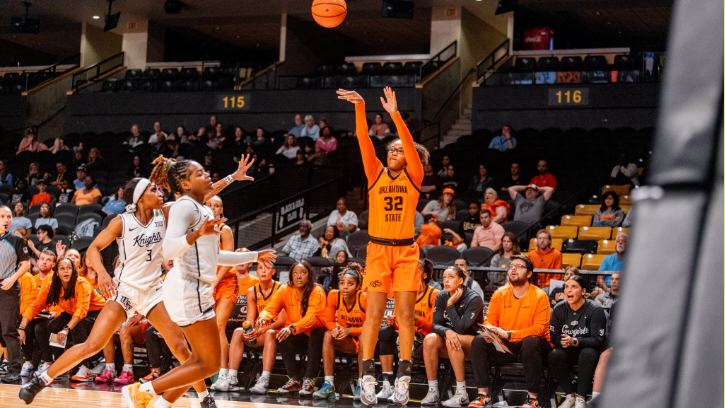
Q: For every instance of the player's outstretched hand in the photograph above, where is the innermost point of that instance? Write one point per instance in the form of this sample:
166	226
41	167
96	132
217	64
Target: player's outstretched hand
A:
267	257
391	105
209	226
244	164
350	96
106	285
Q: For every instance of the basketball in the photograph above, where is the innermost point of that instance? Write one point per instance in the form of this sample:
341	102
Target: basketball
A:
329	13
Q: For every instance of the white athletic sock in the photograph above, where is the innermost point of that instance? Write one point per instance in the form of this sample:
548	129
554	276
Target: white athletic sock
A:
330	379
460	386
162	403
147	388
223	371
387	376
111	367
265	374
433	384
203	394
594	394
233	373
46	378
127	368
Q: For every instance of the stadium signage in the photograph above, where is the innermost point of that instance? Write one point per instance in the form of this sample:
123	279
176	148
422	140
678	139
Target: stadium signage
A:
568	96
232	101
291	213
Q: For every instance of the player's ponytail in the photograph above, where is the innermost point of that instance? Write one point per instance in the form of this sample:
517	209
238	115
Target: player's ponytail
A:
168	173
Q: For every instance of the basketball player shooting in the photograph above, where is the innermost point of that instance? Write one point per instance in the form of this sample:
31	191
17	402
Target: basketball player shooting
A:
392	256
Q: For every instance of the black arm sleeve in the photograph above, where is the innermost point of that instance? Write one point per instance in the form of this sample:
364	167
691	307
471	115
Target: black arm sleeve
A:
470	313
439	322
597	328
555	323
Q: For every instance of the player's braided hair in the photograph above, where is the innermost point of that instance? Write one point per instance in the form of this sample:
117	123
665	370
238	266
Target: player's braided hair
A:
423	152
168	173
354	270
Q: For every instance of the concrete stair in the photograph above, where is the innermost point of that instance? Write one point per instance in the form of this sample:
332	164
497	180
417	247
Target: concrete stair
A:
463	126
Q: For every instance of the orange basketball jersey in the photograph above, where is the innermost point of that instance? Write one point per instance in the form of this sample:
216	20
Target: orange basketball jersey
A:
392	206
259	296
352	318
424	306
232	271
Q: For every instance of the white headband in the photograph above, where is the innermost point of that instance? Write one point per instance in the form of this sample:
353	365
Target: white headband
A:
137	193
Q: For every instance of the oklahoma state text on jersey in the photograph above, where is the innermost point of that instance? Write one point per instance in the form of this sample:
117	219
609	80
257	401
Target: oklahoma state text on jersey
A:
352	318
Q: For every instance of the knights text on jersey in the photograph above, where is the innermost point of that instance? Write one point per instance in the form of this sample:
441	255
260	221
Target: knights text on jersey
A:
140	250
392	206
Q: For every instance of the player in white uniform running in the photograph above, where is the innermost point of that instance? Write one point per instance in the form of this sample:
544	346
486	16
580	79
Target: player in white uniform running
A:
139	233
192	240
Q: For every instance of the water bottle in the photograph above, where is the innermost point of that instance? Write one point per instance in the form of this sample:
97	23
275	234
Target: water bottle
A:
247	327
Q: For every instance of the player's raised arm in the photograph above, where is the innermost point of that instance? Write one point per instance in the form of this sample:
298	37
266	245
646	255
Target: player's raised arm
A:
370	162
414	165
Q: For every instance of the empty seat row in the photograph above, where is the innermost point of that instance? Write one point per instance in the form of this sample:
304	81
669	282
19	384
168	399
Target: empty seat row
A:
574	63
585	233
589	262
371	68
125	85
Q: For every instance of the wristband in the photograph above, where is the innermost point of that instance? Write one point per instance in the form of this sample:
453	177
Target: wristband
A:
66	328
21	328
508	334
291	327
229	179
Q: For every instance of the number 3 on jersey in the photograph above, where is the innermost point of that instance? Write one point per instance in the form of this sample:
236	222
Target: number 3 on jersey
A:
148	251
393	203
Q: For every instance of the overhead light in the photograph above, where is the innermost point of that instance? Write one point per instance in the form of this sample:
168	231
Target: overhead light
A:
598	13
96	17
609	23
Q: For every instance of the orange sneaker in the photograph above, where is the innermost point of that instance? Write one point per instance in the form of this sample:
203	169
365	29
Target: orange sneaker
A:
136	398
152	376
482	401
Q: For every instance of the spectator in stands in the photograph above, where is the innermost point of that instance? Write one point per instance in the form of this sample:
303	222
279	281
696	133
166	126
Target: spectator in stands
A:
458	312
519	315
65	192
379	129
135	139
444	208
290	148
543	179
530	207
418	222
629	219
19	221
211	128
296	131
80	182
158	134
545	257
45	236
42	196
116	205
454	238
509	247
182	136
58	145
514	180
310	129
33	174
326	141
6	178
46	217
446	161
344	219
215	137
30	143
578	333
319	158
608	299
322	124
301	246
300	159
88	195
473	220
556	294
209	161
158	146
505	141
199	138
20	193
481	181
488	234
431	182
613	262
62	174
624	173
171	149
609	214
138	169
430	234
79	158
449	180
331	243
469	282
499	208
260	139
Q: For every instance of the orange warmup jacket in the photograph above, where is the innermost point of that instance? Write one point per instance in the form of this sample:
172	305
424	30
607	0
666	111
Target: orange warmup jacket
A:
285	298
86	300
28	291
525	317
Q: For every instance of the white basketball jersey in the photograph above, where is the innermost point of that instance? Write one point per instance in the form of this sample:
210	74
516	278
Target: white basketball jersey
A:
200	260
139	250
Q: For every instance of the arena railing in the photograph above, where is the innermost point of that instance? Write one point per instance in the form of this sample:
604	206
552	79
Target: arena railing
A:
36	78
489	63
438	60
97	70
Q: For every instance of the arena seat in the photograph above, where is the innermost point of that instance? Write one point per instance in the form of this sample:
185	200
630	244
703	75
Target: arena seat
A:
596	233
412	68
620	190
617	230
625	208
371	68
362	220
82	243
151	73
67	208
547	64
525	64
69	219
358	239
592	261
606	247
169	74
556	243
478	256
571	63
576	220
595	63
392	68
571	260
107	220
586	209
461	214
579	246
625	200
133	74
443	255
362	253
563	232
189	74
91	208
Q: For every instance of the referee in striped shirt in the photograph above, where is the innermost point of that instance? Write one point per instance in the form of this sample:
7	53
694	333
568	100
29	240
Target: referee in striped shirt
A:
14	262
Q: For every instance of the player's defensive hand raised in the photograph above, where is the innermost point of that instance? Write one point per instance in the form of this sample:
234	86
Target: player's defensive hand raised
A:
267	257
350	96
391	105
244	165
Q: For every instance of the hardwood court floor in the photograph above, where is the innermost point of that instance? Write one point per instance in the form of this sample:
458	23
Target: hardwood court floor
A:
75	398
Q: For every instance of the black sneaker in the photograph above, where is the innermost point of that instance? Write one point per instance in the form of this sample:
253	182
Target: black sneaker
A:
31	389
11	378
208	402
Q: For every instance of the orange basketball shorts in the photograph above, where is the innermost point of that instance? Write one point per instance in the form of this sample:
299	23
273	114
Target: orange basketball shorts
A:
228	288
392	269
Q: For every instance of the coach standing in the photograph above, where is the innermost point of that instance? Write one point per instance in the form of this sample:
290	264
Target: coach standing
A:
14	262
